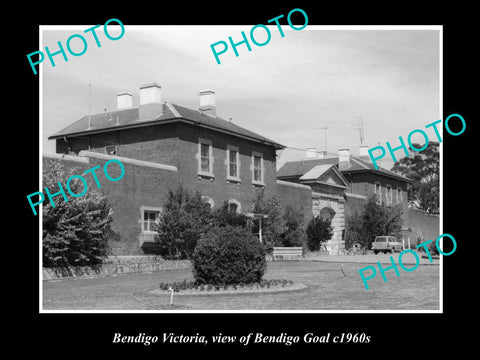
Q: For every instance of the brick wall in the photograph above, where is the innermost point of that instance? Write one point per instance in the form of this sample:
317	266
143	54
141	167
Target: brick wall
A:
219	188
177	144
297	195
421	224
364	184
141	186
354	204
145	187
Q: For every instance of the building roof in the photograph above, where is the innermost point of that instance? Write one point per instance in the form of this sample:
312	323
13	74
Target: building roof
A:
327	174
297	169
129	118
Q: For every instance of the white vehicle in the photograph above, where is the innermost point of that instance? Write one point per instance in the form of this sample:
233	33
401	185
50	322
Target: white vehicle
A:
386	244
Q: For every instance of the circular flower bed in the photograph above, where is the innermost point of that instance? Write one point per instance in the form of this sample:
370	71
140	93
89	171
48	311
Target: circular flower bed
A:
193	288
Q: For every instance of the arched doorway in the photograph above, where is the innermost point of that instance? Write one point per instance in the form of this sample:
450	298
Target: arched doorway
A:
327	213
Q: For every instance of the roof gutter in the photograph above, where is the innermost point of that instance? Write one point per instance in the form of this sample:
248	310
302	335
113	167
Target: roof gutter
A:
394	176
152	122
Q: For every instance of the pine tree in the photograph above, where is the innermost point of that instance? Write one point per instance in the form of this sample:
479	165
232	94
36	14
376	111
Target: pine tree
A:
75	233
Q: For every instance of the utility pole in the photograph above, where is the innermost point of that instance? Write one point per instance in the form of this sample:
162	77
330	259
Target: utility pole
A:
89	105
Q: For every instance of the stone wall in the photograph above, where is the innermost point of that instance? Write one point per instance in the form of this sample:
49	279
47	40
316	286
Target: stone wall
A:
322	204
117	265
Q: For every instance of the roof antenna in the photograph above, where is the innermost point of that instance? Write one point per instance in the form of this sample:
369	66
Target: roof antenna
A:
89	106
361	130
325	128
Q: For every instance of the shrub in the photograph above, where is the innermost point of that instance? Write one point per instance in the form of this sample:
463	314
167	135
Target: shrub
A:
432	248
354	232
228	255
294	235
185	217
319	230
297	237
293	217
223	216
380	219
75	233
274	226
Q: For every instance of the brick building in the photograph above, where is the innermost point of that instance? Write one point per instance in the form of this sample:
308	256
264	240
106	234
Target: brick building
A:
341	185
165	145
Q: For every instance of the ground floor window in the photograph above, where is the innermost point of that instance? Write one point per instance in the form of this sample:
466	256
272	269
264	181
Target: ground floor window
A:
234	206
209	201
150	218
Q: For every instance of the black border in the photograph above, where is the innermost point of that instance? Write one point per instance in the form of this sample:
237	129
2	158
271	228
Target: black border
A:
86	334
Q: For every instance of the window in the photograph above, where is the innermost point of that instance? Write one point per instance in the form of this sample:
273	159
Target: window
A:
209	201
111	149
150	217
205	158
399	196
389	195
327	213
233	163
234	206
257	168
378	192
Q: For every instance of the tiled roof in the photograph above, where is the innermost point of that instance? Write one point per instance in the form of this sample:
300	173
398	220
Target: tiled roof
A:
296	169
299	168
316	173
126	118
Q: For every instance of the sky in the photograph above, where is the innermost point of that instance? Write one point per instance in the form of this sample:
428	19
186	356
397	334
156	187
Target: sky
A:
288	90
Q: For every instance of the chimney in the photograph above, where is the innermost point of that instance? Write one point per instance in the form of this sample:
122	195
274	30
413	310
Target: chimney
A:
124	100
343	158
311	153
207	102
150	102
363	150
321	154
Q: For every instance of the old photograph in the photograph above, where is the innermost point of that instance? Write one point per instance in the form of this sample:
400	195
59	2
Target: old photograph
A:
284	167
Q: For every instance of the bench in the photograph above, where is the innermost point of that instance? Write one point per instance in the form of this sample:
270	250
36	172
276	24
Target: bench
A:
287	253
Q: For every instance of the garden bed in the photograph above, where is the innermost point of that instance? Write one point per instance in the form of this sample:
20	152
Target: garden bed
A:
191	288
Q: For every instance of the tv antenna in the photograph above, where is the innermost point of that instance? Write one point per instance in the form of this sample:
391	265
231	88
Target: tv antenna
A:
361	130
325	128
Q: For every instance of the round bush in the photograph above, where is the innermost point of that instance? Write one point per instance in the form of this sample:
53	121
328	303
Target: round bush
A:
228	255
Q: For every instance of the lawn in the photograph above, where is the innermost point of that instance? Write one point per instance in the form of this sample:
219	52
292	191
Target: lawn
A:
327	289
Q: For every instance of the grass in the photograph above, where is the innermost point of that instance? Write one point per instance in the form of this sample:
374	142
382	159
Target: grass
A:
328	289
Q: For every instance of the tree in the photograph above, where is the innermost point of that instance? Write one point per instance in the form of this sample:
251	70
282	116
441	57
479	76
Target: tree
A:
294	234
319	231
274	226
75	233
423	169
376	220
354	232
185	217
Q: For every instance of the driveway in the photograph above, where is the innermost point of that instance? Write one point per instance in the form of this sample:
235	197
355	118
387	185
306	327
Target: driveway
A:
407	258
